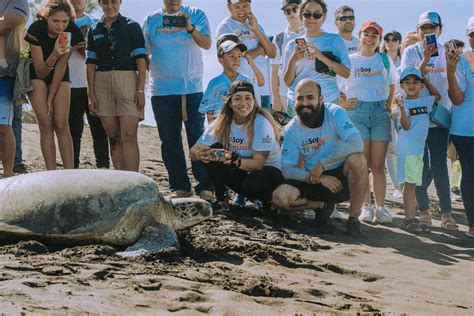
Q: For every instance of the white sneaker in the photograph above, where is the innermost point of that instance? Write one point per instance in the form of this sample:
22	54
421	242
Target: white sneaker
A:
382	216
366	213
397	194
335	214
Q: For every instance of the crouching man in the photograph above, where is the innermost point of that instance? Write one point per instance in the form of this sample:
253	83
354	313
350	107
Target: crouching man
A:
334	168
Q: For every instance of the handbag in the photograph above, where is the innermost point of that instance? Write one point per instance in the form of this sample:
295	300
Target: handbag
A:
441	116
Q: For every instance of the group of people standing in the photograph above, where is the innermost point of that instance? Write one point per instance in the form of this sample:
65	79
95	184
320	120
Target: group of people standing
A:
359	104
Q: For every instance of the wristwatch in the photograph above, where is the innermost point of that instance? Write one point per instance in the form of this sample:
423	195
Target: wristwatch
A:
192	30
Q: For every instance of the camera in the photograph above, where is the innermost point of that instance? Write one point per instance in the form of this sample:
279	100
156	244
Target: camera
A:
174	21
218	155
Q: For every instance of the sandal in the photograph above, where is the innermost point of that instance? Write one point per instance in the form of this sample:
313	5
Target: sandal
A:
414	226
425	218
449	224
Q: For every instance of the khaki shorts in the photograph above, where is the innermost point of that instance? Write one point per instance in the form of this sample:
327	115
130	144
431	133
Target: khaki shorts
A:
115	92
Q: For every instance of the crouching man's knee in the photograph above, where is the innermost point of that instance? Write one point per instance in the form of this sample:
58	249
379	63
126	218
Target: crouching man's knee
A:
356	164
285	196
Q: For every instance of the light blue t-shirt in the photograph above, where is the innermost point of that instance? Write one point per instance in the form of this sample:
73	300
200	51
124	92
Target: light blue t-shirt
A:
263	140
412	141
462	121
315	144
176	65
217	92
306	68
248	37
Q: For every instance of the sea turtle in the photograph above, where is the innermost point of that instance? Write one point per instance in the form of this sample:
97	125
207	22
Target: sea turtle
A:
78	207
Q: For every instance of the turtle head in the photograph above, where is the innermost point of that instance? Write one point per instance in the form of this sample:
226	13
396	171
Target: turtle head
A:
190	212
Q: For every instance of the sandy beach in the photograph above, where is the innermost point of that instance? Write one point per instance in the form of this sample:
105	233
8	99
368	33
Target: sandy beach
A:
240	263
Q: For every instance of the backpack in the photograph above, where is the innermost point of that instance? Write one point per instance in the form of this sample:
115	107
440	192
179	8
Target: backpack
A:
386	65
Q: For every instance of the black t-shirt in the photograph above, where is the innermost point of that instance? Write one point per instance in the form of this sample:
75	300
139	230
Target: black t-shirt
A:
38	35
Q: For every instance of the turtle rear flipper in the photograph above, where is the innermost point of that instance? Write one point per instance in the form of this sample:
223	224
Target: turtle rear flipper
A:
154	238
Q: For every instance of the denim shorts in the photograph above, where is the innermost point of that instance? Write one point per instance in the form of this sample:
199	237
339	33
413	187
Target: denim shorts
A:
6	101
372	120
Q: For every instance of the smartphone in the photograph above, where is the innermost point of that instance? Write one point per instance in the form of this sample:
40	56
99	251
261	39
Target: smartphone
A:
174	21
451	48
218	155
302	43
65	38
430	39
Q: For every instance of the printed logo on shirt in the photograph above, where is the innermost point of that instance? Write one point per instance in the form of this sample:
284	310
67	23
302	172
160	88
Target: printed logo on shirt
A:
267	140
434	70
98	36
366	72
169	30
347	126
245	35
418	110
237	144
314	143
351	50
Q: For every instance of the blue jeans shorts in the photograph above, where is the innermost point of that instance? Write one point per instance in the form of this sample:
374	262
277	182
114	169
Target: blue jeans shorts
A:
372	120
6	101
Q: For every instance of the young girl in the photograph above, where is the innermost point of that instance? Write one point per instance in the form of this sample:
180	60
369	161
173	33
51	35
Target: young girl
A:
49	75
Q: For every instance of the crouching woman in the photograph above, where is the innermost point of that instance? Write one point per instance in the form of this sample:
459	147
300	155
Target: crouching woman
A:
241	148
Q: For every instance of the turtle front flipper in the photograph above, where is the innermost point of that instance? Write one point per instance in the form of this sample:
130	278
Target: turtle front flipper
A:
154	238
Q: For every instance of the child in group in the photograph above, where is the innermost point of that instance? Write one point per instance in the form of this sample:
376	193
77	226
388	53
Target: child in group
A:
414	122
229	52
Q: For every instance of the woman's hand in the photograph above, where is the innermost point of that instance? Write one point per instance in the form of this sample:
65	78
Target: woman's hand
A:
204	155
428	50
347	103
140	99
299	53
313	51
59	49
399	101
452	61
92	103
49	103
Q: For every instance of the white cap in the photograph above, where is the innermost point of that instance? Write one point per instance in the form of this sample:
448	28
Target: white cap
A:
470	26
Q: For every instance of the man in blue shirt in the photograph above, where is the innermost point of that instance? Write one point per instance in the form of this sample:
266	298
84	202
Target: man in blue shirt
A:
176	70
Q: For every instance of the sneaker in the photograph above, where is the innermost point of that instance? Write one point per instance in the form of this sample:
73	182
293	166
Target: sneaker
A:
353	227
20	169
239	200
336	215
206	195
182	194
367	214
382	216
397	194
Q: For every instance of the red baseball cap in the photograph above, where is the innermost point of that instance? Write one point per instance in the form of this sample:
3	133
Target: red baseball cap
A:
372	25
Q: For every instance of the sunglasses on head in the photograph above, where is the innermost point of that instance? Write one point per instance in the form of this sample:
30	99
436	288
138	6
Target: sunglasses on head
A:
315	15
346	18
290	10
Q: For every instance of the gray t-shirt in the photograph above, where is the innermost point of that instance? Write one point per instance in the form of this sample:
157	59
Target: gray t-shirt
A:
10	46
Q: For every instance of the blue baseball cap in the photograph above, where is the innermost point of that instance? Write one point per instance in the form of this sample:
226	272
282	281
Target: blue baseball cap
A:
411	71
429	17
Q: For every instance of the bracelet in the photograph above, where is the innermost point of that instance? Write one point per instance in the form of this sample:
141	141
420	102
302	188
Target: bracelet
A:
141	91
192	30
46	65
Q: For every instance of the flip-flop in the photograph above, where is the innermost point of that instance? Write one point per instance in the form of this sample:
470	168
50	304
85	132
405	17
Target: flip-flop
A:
449	224
414	226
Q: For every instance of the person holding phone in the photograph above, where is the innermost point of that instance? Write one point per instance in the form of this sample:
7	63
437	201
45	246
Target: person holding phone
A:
176	72
431	60
49	73
461	92
116	71
321	57
250	138
369	90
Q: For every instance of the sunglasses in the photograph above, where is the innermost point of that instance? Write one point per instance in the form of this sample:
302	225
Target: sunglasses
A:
291	10
315	15
343	18
391	39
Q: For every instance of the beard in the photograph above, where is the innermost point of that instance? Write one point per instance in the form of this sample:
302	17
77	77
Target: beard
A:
313	118
348	27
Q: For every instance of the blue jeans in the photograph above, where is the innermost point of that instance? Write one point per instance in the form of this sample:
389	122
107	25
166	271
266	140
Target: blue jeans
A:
465	148
435	167
17	125
372	120
168	115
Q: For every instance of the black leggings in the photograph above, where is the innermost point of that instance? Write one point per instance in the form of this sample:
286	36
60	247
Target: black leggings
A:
256	185
79	106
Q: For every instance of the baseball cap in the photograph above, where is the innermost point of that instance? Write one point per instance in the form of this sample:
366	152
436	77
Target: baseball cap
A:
241	86
470	26
411	71
429	17
227	37
236	1
227	46
287	2
395	34
373	25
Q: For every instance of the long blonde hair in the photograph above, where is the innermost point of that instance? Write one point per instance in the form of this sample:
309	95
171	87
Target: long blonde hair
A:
225	118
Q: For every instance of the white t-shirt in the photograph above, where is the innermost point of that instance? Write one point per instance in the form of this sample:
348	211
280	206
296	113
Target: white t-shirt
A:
352	45
176	65
287	37
463	115
412	141
248	37
217	92
369	80
306	68
263	140
77	62
436	71
314	144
